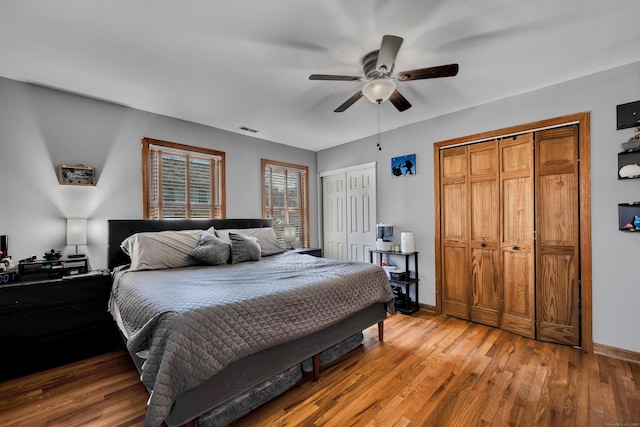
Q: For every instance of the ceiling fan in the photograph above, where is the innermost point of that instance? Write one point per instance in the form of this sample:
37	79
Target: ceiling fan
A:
377	67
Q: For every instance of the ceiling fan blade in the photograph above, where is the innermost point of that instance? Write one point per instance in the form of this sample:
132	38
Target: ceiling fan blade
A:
399	101
349	102
334	77
428	73
388	51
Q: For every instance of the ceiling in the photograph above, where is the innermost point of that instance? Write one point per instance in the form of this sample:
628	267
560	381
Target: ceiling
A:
246	63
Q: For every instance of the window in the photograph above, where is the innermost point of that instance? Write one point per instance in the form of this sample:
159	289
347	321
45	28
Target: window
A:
181	181
285	193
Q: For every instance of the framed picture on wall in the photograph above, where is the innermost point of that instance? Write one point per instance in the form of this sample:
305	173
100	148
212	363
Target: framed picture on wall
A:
76	175
403	165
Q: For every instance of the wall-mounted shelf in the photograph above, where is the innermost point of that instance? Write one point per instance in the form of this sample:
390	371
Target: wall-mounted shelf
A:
626	215
626	158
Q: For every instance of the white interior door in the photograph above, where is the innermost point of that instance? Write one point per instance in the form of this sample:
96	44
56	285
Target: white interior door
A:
361	213
334	214
349	213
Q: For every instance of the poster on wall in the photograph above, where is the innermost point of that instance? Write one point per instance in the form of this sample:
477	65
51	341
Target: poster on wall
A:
403	165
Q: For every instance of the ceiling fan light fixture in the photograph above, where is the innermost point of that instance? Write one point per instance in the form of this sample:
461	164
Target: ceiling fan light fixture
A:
380	85
379	90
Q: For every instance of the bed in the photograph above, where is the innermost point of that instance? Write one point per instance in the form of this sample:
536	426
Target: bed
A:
244	331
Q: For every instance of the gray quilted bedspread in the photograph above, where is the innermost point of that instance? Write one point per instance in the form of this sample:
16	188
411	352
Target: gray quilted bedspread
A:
192	322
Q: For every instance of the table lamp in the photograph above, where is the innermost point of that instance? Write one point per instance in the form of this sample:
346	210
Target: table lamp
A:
290	235
76	234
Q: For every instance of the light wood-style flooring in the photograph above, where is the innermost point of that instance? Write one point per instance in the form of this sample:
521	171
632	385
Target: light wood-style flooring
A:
430	371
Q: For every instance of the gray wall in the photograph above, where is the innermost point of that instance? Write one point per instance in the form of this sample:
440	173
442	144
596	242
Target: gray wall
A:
42	128
407	202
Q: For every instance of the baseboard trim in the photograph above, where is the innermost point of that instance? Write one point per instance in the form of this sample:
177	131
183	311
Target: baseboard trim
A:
616	353
431	309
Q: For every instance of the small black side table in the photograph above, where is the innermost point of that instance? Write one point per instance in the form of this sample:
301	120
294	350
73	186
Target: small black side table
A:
402	285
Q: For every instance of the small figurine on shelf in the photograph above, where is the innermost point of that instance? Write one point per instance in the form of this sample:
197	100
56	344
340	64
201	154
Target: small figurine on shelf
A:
6	264
633	143
633	225
52	255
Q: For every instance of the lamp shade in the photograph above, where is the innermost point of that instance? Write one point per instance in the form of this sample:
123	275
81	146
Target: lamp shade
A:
379	90
76	231
289	233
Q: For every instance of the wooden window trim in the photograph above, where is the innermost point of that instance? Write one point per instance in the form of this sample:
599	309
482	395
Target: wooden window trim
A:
146	142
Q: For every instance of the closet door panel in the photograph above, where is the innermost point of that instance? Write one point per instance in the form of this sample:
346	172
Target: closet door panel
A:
454	163
334	213
557	281
516	154
456	290
555	227
454	197
484	213
454	232
485	290
557	305
485	299
517	229
518	285
483	160
361	210
517	211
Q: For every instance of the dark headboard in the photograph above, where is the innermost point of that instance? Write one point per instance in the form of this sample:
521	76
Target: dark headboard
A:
120	229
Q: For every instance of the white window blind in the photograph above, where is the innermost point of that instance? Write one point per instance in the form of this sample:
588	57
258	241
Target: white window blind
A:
182	181
285	198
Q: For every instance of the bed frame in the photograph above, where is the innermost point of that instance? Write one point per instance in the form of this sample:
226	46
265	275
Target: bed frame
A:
253	370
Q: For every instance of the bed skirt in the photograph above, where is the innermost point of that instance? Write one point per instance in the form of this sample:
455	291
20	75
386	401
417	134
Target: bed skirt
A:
246	402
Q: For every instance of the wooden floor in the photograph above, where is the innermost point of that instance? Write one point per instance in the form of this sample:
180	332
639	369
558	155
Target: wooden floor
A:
430	371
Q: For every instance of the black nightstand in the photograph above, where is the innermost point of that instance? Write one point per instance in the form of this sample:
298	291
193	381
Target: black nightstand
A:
317	252
52	322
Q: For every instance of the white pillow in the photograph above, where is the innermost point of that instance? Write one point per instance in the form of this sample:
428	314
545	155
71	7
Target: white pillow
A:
162	249
266	238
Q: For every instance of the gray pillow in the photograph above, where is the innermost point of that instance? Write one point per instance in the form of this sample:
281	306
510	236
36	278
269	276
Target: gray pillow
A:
162	249
266	238
211	250
244	248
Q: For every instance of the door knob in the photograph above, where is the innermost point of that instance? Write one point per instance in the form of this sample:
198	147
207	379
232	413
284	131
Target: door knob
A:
483	245
515	248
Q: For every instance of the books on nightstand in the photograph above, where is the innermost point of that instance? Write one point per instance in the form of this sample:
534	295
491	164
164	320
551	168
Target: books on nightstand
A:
52	269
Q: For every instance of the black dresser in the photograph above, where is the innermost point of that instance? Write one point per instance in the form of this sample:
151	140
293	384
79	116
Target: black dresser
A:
48	323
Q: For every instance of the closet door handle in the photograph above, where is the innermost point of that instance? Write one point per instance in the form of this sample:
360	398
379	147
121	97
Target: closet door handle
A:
515	248
483	245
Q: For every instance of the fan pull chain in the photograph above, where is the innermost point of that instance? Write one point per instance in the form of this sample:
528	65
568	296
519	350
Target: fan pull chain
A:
378	135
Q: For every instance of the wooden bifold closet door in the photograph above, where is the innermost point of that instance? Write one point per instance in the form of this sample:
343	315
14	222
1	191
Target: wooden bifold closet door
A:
558	235
517	235
455	237
484	233
496	198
